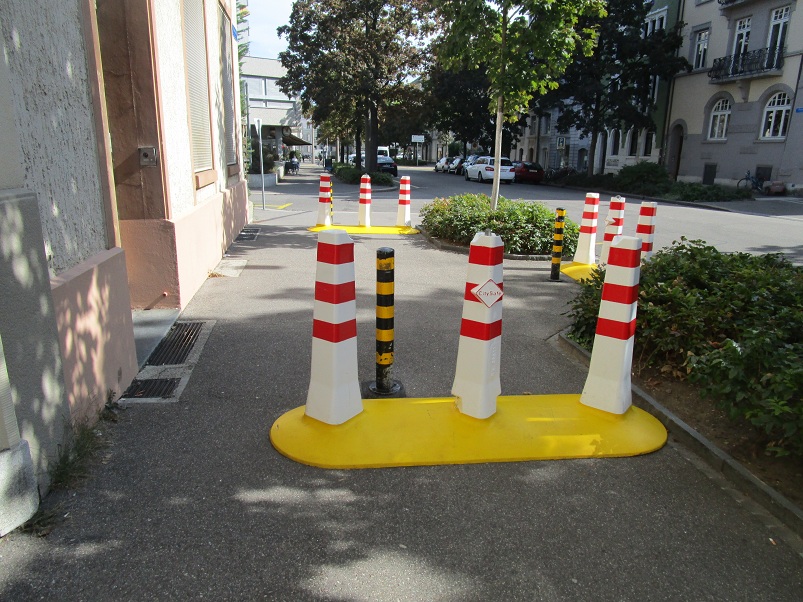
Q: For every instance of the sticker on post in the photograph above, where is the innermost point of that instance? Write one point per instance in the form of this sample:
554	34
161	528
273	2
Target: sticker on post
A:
489	293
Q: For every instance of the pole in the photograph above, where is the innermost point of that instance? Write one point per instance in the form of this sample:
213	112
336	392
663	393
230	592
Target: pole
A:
261	161
557	245
384	384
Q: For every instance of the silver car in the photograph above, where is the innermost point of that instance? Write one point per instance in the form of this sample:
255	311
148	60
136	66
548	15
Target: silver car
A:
482	170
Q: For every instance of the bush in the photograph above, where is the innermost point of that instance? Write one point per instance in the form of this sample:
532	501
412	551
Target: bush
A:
691	192
644	178
525	228
731	323
348	174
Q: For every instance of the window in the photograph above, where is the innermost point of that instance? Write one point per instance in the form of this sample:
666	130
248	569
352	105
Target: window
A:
615	142
779	23
197	84
700	48
227	85
741	40
720	117
648	138
776	116
633	148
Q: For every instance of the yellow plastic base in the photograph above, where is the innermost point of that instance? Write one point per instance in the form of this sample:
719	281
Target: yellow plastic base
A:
370	230
578	271
424	432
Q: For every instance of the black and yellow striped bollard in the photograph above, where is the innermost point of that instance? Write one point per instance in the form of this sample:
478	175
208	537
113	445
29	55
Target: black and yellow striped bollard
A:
384	384
557	244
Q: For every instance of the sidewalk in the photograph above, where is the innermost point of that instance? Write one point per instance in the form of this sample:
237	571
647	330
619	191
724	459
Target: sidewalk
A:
190	500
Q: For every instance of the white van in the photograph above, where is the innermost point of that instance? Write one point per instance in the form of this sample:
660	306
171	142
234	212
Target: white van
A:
383	150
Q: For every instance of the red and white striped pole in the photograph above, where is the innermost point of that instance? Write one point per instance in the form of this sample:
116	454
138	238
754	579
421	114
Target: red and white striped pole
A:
608	383
645	229
325	200
614	225
403	214
334	389
587	241
365	201
476	382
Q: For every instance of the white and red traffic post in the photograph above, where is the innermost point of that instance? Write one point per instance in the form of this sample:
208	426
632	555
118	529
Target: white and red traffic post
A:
365	201
587	241
403	214
614	226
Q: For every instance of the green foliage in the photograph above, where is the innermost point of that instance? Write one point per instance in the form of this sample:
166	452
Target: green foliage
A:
693	192
732	323
525	228
643	178
348	174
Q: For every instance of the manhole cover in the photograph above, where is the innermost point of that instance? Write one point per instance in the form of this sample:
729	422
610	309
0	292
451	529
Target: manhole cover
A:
241	237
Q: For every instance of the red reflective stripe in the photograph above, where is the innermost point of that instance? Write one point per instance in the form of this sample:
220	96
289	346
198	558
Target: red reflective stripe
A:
404	201
588	229
335	293
334	333
590	214
479	330
645	229
648	210
615	329
592	200
365	201
485	255
469	296
617	206
646	246
335	254
626	258
619	293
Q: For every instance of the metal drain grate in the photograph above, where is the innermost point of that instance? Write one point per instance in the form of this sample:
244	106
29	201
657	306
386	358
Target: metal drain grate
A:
248	234
250	230
152	387
177	344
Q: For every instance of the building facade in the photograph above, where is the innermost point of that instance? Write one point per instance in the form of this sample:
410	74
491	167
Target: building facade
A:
739	109
121	187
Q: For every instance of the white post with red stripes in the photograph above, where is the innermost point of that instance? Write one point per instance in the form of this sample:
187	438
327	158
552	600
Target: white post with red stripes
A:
587	241
614	225
645	229
365	201
403	214
325	200
608	383
476	382
334	389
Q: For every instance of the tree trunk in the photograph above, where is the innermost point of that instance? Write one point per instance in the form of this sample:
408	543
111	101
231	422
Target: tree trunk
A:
358	145
371	142
500	106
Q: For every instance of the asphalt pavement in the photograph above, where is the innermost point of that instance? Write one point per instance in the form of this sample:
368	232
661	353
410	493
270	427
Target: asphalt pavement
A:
189	500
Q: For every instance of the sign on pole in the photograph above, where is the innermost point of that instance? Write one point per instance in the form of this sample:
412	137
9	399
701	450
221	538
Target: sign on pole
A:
417	138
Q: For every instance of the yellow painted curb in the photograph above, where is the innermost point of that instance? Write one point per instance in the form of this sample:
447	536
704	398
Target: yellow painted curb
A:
431	431
371	230
578	271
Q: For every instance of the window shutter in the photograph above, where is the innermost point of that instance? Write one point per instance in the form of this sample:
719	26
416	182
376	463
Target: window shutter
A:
197	84
227	83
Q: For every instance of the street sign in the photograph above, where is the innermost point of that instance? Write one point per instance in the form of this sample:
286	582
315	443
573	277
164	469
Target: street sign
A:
489	293
417	138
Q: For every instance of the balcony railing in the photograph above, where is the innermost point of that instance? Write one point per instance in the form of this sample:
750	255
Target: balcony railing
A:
747	64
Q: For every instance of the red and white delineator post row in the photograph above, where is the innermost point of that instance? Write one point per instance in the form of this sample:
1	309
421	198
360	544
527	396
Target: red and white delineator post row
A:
365	201
645	229
325	200
607	386
334	389
403	214
587	241
614	225
476	382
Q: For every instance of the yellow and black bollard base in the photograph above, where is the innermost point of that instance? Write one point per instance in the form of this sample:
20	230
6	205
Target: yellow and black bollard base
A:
384	384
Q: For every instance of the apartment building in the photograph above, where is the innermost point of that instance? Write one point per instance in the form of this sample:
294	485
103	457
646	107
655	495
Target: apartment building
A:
739	109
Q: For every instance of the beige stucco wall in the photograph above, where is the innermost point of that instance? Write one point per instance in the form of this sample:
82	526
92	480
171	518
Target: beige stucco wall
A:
96	332
11	174
44	49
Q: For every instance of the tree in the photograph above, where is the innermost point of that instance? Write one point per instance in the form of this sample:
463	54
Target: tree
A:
350	58
525	44
616	84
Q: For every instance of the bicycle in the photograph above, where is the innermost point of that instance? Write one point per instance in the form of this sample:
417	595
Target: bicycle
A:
750	181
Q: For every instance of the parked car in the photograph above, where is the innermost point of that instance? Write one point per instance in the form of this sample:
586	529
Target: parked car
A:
456	166
443	164
524	171
466	162
483	170
353	158
387	164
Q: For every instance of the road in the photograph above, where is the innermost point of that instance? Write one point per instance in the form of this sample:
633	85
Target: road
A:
760	226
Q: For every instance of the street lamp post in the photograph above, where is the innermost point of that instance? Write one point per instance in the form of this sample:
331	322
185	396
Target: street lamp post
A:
261	162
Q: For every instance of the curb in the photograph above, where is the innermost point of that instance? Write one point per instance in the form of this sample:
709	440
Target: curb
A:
445	246
746	482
